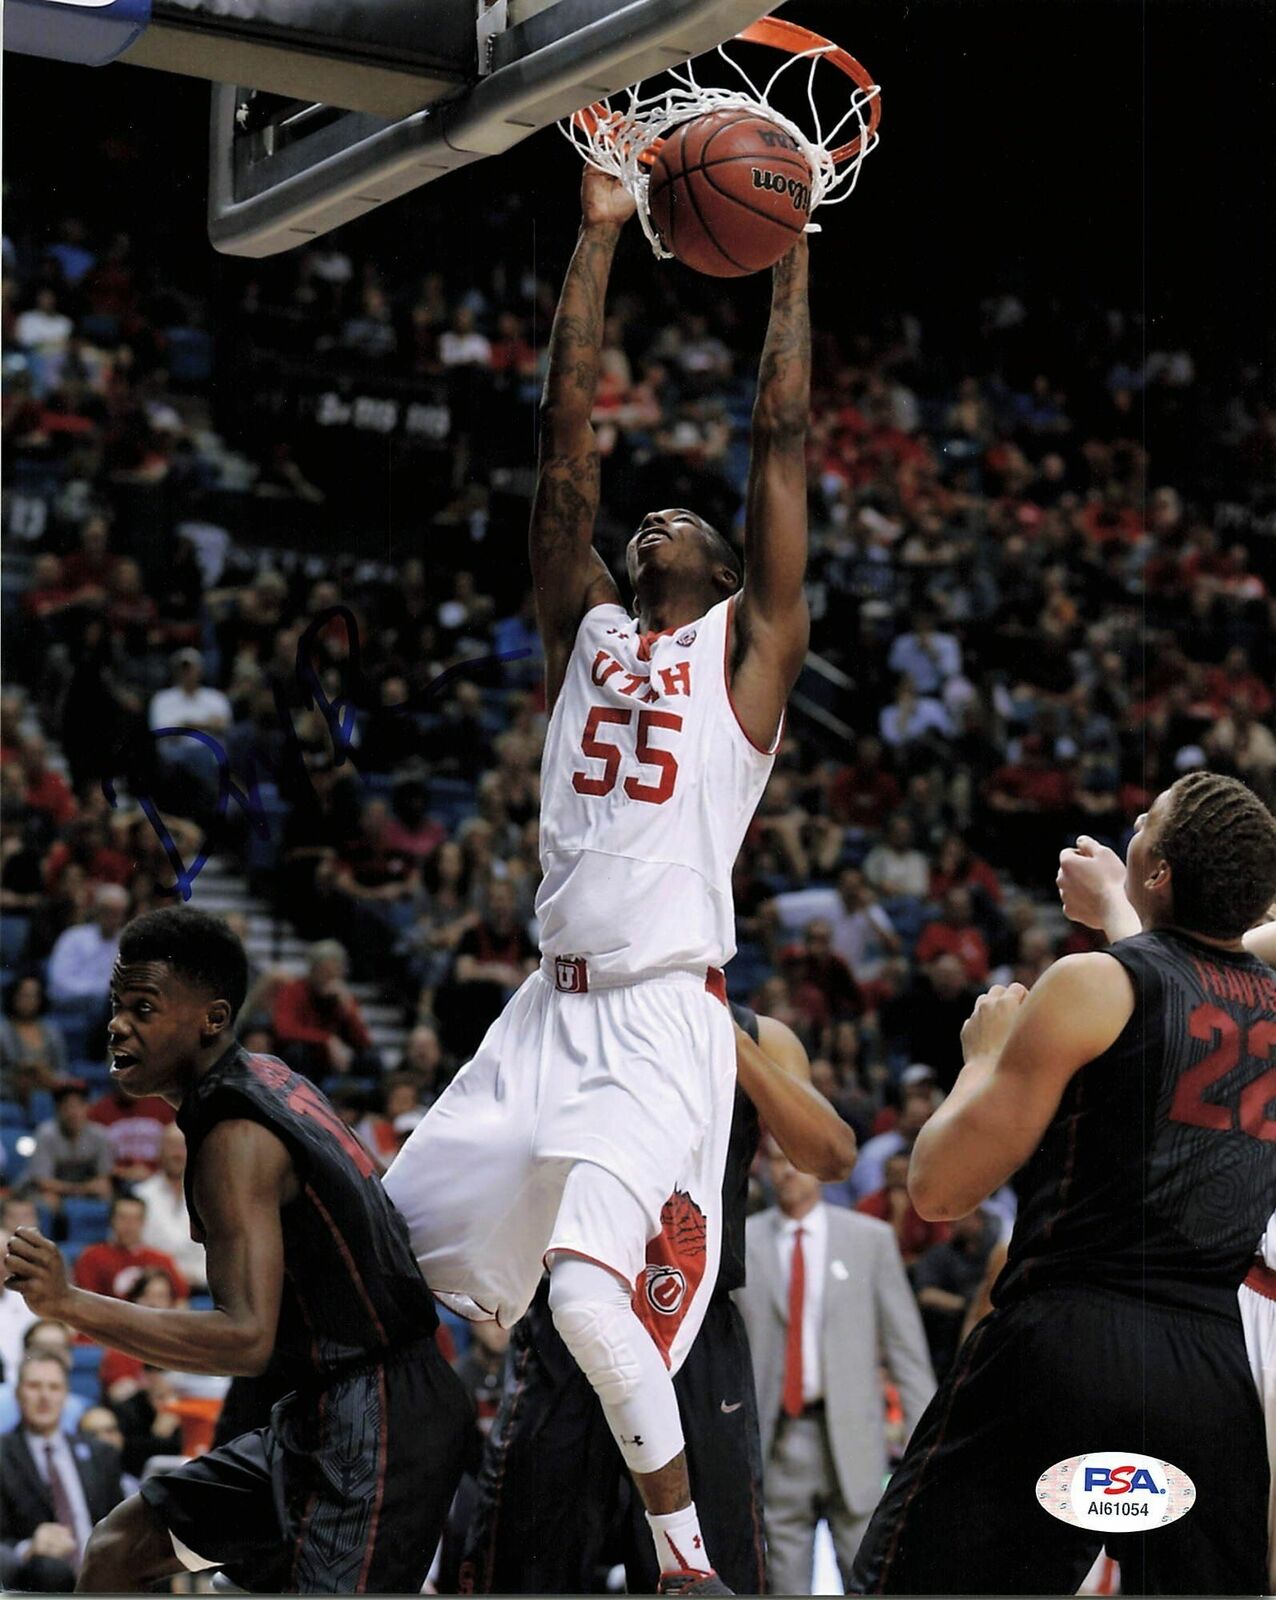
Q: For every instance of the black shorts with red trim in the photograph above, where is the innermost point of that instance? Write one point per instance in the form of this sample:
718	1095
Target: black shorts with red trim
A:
345	1492
555	1505
1061	1373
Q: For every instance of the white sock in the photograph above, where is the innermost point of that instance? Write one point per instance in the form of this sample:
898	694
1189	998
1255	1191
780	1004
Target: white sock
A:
679	1543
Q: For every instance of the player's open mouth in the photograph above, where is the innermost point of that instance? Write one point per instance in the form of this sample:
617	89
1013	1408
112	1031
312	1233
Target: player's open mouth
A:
121	1063
651	534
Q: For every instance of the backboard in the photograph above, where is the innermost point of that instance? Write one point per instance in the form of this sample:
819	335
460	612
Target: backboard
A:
284	170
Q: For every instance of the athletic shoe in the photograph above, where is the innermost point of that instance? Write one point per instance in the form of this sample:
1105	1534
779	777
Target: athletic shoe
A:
692	1583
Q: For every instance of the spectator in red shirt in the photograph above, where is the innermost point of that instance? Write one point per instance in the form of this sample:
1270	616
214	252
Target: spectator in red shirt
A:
821	983
317	1022
956	866
135	1129
113	1267
955	934
864	794
91	568
913	1233
46	791
1235	680
122	1376
87	845
1021	795
409	830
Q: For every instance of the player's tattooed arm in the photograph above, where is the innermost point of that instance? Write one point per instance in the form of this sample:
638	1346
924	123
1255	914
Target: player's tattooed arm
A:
776	1076
243	1176
772	622
568	574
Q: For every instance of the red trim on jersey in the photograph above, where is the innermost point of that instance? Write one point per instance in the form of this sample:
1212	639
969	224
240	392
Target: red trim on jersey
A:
343	1249
726	678
1262	1280
715	982
646	640
566	1250
379	1494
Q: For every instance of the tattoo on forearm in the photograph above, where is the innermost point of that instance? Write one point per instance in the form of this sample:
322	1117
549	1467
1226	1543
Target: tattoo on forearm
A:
575	342
784	376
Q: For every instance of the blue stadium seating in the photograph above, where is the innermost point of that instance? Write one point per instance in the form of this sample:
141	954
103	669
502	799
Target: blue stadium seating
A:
13	938
15	1159
87	1220
12	1115
40	1107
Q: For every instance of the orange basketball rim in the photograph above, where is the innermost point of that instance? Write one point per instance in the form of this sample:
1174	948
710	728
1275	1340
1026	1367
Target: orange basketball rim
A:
624	139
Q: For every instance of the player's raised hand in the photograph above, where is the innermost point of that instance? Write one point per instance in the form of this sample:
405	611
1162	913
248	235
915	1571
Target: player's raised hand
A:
1091	880
989	1024
604	198
33	1266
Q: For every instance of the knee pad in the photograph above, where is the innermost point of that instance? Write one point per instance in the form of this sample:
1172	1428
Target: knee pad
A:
600	1338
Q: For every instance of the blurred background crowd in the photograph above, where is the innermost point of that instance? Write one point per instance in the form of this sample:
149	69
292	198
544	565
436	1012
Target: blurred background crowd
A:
286	510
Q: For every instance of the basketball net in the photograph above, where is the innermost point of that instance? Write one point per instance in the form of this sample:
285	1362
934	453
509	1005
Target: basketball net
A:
623	140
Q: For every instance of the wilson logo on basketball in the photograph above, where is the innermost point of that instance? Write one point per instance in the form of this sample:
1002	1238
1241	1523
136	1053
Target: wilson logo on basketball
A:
797	191
666	1289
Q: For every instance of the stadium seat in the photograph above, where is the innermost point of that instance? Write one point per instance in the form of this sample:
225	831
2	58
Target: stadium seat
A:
17	1144
40	1107
12	1115
87	1220
13	938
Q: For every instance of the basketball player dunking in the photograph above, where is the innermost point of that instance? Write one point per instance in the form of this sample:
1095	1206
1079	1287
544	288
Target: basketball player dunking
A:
1131	1092
1092	887
346	1489
607	1082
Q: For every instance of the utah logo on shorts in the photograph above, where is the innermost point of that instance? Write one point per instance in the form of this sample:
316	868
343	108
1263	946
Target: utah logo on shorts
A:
674	1270
666	1289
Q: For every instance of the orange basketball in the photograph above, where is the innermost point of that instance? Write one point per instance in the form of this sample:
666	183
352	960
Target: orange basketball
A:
730	191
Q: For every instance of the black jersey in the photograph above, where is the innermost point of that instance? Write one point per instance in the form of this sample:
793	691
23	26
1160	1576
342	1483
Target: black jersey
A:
352	1288
1157	1174
745	1133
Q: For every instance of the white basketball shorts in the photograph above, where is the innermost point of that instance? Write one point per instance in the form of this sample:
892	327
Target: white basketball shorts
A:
638	1079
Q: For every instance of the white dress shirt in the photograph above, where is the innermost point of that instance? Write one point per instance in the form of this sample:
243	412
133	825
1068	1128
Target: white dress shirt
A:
815	1229
168	1227
65	1460
16	1316
80	963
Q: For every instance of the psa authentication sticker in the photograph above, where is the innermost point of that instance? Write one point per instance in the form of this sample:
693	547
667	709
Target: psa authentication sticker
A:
1115	1489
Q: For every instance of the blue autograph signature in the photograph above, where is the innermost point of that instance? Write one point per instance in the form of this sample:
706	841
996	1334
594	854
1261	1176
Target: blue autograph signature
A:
340	715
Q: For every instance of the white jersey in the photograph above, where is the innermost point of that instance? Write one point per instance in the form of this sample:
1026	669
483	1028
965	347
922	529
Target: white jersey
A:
1267	1244
648	783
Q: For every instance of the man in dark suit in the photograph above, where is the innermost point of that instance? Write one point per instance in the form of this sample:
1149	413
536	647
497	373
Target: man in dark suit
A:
52	1488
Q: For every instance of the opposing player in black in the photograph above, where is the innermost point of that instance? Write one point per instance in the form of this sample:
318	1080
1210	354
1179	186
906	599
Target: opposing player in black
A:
554	1501
345	1492
1134	1094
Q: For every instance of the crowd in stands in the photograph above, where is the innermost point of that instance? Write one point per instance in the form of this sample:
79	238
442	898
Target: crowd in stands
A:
1033	607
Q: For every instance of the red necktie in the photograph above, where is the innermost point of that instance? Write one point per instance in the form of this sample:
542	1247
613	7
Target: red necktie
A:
793	1402
61	1501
